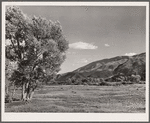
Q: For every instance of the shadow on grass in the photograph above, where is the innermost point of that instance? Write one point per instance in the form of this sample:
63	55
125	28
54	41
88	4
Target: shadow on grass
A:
16	102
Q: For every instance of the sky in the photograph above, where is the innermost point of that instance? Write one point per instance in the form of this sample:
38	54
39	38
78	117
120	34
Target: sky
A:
96	32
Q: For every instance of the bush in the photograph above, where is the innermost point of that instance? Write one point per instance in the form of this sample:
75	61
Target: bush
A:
141	82
84	80
8	98
125	83
103	84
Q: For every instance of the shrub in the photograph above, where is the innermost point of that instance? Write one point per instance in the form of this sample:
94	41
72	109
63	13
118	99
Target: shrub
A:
8	98
125	83
103	83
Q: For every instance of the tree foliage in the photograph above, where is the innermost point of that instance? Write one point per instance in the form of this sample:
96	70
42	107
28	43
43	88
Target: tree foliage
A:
36	45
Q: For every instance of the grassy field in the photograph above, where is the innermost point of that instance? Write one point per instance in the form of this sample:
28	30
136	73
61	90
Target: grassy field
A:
84	98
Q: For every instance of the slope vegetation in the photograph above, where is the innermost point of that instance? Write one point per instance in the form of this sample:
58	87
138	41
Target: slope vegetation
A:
109	67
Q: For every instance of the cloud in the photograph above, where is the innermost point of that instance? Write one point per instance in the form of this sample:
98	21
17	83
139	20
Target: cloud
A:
130	54
107	45
81	61
71	53
82	45
84	61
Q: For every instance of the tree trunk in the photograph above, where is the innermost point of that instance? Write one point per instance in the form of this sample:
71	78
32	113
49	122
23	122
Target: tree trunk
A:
14	90
30	94
7	89
27	92
23	92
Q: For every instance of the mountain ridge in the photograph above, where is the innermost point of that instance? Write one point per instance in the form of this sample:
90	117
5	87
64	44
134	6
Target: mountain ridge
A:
106	68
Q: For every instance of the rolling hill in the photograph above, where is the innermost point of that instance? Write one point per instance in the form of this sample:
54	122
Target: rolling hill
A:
109	67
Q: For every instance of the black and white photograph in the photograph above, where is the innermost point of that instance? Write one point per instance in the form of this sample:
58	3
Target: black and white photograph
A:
75	61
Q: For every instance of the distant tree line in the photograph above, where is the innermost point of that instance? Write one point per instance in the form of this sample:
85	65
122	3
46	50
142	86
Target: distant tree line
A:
120	77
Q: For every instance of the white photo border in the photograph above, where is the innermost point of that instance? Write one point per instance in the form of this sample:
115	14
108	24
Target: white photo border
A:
86	117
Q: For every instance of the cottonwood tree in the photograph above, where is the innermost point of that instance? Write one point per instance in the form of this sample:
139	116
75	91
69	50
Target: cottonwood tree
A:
38	47
9	68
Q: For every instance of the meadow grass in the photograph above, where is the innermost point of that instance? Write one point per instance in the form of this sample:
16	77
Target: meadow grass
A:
84	99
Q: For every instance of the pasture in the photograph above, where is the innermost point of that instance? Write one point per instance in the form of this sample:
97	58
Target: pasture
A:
83	99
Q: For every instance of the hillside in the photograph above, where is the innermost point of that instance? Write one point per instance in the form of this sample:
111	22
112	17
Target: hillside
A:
109	67
135	64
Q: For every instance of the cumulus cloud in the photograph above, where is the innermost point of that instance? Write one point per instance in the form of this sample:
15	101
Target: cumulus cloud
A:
107	45
130	54
82	45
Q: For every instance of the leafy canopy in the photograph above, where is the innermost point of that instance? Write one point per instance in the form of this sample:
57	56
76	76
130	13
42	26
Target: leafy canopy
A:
35	45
